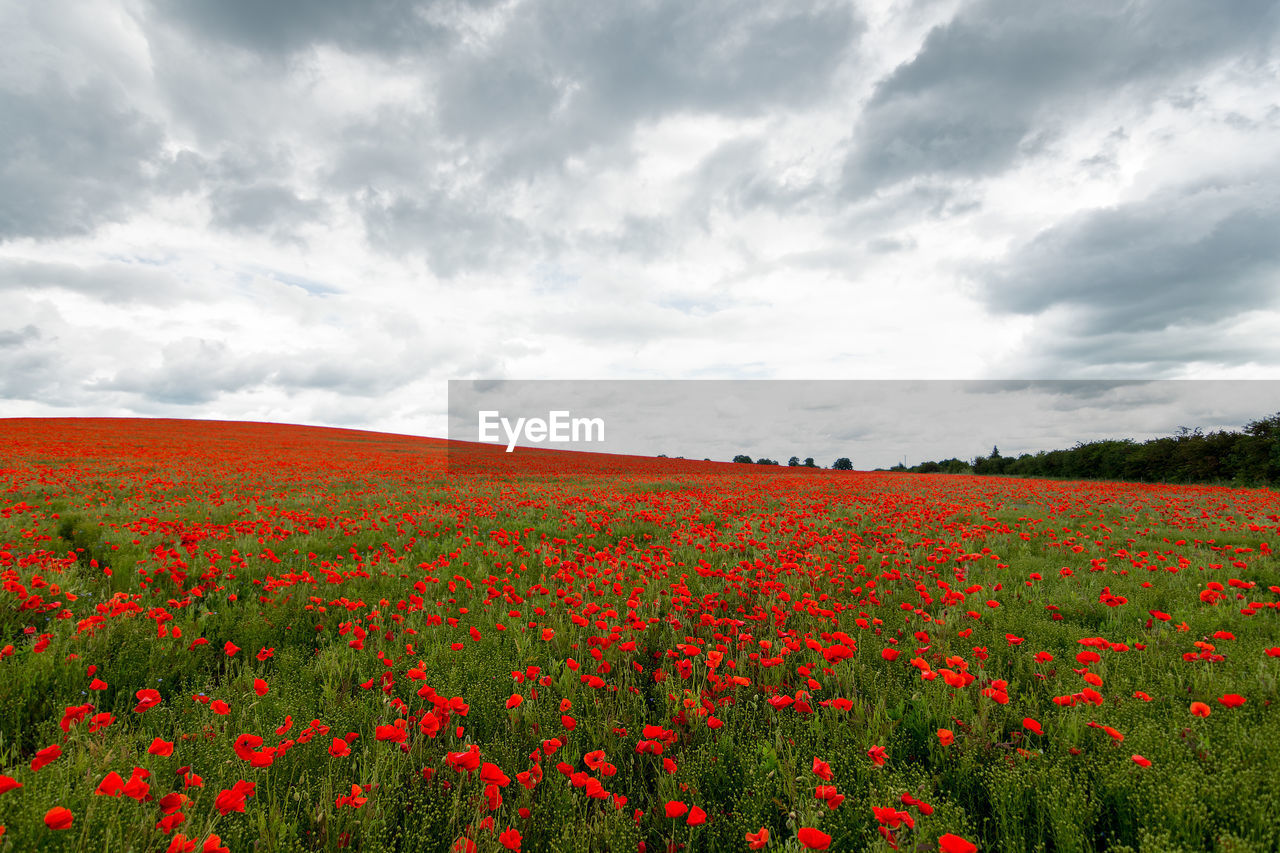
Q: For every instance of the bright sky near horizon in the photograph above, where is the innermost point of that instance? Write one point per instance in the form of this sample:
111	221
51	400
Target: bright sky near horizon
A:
317	211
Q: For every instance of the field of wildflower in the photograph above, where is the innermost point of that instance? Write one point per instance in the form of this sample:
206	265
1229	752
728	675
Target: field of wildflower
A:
248	637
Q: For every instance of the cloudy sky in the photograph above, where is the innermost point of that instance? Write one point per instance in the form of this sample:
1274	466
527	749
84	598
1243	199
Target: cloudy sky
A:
318	211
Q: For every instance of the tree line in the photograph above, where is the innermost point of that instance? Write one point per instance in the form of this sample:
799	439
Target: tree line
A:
841	464
1248	458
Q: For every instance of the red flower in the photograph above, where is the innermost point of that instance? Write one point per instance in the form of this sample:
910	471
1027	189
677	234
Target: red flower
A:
260	687
181	844
213	844
492	774
8	783
161	748
339	748
757	840
233	800
1141	762
354	799
1032	726
137	787
46	756
111	785
58	818
675	808
394	734
147	699
949	843
813	839
510	838
877	754
1200	709
821	769
1232	700
696	817
230	648
946	737
464	761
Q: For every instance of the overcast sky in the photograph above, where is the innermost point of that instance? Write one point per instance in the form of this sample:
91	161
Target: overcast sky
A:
318	211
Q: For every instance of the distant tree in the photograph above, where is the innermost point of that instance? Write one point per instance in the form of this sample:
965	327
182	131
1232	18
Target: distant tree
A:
662	456
955	466
742	457
764	461
842	464
993	464
809	463
793	462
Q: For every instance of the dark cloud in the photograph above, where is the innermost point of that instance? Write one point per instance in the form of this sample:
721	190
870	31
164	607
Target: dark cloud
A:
17	337
1003	77
272	209
577	73
366	377
1157	353
286	26
112	283
575	78
1185	258
71	159
1079	389
454	233
191	372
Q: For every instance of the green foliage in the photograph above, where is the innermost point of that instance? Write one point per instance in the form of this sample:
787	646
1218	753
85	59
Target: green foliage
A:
1250	459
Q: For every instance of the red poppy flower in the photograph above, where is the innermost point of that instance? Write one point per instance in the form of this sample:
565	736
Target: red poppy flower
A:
58	818
181	844
111	785
147	699
948	843
813	839
510	839
46	756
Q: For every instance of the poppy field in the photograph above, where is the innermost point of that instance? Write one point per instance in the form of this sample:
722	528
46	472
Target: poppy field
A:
248	637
